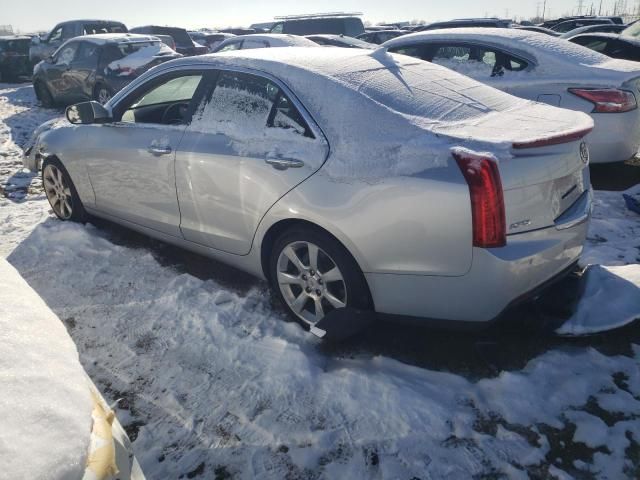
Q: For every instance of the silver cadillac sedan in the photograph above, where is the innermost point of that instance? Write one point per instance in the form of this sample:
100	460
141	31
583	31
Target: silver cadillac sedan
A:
349	179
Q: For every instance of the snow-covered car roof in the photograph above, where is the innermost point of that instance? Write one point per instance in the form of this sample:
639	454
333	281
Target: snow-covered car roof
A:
414	103
277	39
104	38
544	49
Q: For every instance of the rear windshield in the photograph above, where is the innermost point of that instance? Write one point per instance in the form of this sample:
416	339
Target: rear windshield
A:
18	46
338	26
94	28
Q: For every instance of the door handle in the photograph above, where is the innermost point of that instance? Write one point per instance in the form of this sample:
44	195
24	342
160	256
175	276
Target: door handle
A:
280	163
159	150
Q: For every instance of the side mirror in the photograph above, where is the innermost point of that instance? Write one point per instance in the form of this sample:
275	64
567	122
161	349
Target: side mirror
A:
36	40
86	113
49	59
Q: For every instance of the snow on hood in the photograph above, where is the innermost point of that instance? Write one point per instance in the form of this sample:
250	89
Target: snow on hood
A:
45	401
141	57
388	114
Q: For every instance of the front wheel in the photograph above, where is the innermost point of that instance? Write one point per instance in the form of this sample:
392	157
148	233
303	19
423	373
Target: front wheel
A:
61	192
102	94
313	274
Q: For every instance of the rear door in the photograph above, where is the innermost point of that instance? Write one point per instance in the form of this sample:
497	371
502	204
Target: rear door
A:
249	143
131	160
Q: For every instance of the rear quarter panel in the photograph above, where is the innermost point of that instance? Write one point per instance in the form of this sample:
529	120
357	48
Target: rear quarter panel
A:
406	225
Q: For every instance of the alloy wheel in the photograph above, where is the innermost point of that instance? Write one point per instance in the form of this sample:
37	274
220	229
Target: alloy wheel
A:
310	281
104	95
58	192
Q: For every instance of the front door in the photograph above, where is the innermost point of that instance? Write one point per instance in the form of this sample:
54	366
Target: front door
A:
131	160
247	145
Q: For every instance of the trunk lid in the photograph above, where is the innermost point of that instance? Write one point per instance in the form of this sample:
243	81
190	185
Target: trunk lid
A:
543	158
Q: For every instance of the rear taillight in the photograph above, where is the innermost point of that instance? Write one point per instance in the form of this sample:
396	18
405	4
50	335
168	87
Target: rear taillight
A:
607	100
487	199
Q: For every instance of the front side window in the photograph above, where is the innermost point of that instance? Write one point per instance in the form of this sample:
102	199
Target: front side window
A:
231	46
250	44
594	43
248	105
166	103
66	54
476	61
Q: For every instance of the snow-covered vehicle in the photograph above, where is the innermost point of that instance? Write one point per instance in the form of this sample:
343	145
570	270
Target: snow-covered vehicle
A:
546	69
348	178
263	40
55	423
96	66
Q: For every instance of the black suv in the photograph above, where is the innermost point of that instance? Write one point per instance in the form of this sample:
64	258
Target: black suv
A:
349	25
14	57
184	44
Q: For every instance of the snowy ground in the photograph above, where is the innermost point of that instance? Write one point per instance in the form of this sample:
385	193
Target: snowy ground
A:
212	383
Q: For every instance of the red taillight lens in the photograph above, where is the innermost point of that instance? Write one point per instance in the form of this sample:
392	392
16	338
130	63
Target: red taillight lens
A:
487	199
608	100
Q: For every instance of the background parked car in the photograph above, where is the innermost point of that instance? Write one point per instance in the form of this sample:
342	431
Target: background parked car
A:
336	24
380	36
210	39
262	40
96	66
184	44
42	48
556	21
555	71
340	41
599	28
569	25
611	45
14	57
465	23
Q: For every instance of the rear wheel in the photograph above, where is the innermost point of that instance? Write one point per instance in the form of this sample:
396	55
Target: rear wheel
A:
313	274
44	95
61	192
102	94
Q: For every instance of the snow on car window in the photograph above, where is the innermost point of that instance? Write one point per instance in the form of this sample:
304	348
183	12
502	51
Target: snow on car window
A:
132	56
239	102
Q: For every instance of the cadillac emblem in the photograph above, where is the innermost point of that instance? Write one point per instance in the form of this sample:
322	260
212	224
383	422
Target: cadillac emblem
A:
584	153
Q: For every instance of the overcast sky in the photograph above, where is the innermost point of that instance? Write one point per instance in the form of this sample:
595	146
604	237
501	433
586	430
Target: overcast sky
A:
31	15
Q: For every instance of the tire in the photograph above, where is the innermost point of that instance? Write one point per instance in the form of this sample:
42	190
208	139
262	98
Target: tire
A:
61	192
44	95
102	93
303	289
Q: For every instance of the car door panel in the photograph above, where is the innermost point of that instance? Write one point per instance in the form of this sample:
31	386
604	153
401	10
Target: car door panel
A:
225	184
131	163
130	178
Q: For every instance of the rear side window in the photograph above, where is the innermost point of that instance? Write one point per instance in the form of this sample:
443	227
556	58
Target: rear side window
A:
618	49
416	51
244	104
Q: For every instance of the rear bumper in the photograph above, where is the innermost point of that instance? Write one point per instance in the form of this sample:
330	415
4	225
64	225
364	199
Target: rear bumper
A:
498	277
